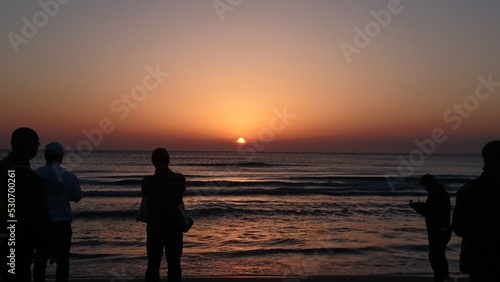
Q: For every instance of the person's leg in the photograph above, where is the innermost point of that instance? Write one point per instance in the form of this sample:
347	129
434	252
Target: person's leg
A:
25	248
484	275
173	252
39	268
64	234
477	277
437	257
439	264
154	247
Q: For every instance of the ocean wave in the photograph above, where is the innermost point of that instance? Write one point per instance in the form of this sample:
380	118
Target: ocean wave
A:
451	182
303	251
212	192
111	194
113	214
336	210
235	164
109	243
444	179
293	186
196	213
268	251
119	182
79	256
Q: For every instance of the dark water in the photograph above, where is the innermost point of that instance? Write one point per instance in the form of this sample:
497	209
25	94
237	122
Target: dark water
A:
289	215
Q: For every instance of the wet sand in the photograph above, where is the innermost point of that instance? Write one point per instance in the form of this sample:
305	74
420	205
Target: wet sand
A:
371	278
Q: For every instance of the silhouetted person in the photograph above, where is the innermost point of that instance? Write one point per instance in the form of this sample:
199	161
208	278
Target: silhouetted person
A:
477	220
22	200
163	192
59	187
436	211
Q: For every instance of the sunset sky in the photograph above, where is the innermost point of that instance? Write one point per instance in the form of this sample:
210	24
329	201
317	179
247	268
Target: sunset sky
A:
286	75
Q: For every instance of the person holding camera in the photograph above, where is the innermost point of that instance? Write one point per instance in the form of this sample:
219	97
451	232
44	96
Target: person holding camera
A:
436	211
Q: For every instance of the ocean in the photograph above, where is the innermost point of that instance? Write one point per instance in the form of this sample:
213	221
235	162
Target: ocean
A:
290	215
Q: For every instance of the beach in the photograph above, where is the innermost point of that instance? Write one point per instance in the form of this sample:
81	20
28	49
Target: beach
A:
367	278
272	216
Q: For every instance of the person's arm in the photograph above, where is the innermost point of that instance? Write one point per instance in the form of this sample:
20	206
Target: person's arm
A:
181	184
460	214
419	207
75	192
435	205
39	202
146	186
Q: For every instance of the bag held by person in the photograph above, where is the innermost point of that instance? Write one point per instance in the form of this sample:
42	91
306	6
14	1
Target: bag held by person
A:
143	211
184	220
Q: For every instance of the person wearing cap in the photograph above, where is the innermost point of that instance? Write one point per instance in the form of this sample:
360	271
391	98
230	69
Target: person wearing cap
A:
163	192
27	213
59	187
436	211
477	219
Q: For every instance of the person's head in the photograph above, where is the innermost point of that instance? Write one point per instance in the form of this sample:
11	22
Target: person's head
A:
491	155
25	142
160	157
54	152
429	182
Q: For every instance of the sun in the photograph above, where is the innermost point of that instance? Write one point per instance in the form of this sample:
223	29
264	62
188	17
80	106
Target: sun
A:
241	140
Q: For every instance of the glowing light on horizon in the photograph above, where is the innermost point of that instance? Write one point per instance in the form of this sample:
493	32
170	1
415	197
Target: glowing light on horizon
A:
241	140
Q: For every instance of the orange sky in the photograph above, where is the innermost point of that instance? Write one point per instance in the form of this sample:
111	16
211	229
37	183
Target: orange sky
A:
184	75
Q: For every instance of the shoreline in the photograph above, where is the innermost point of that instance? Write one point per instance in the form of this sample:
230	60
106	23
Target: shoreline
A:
340	278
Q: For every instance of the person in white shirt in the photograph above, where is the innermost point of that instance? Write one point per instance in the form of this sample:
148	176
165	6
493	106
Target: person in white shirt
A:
59	187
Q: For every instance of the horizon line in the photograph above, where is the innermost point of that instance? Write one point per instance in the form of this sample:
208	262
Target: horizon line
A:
264	152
